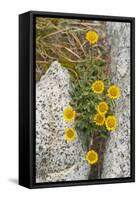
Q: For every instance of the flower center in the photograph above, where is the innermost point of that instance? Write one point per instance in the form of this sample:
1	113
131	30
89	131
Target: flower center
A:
111	123
113	92
99	119
91	157
69	114
92	36
98	87
102	107
70	133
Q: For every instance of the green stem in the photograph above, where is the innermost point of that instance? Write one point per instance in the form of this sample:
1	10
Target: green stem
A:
91	56
113	103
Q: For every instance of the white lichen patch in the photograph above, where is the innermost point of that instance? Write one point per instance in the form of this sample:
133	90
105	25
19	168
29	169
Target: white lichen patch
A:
56	158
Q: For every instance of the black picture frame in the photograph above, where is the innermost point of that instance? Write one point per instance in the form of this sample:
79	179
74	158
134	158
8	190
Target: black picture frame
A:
27	99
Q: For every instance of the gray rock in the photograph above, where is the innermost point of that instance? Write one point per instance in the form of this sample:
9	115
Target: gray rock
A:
117	155
56	158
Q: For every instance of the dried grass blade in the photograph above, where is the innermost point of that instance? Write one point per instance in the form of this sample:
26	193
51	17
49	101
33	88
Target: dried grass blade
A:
78	41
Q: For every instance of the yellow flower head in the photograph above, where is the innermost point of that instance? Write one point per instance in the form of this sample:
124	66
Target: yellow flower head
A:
102	108
98	87
114	92
111	123
70	134
91	157
92	37
69	114
99	119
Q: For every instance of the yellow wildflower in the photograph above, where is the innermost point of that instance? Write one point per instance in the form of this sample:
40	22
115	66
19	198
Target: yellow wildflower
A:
111	123
70	134
92	37
114	92
92	157
69	114
102	108
98	87
99	119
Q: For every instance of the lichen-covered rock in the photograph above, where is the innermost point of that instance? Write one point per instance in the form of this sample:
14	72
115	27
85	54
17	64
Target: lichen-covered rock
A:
56	158
117	155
